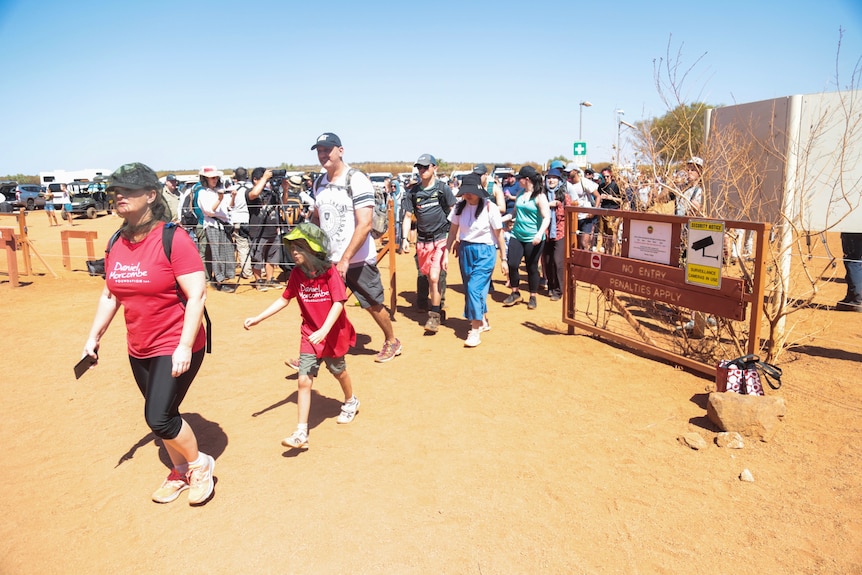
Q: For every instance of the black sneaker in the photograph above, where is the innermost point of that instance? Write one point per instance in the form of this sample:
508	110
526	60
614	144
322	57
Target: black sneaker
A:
513	298
532	302
848	306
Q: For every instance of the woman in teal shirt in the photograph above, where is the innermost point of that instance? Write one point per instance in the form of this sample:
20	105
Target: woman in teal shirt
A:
532	218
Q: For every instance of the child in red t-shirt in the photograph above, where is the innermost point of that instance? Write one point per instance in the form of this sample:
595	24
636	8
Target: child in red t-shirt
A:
326	332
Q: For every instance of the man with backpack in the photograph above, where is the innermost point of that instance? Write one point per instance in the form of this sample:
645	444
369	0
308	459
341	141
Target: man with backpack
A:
264	205
192	219
239	218
344	208
430	201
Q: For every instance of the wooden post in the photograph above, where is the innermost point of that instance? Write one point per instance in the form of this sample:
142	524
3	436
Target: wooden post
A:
87	236
10	245
21	216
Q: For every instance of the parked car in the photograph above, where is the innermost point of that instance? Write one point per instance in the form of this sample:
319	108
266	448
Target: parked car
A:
459	175
28	196
378	179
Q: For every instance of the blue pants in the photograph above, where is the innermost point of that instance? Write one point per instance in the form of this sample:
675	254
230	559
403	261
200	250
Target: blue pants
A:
477	265
851	243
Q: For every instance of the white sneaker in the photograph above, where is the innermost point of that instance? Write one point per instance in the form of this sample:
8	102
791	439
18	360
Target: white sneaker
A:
299	440
348	411
200	479
473	338
486	326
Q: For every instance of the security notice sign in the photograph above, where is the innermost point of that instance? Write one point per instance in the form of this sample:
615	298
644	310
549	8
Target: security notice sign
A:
704	250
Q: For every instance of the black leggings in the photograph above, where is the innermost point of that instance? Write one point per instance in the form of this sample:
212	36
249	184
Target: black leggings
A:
163	392
530	254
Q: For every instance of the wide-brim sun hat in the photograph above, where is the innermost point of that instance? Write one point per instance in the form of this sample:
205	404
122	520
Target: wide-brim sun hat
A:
210	172
313	236
472	184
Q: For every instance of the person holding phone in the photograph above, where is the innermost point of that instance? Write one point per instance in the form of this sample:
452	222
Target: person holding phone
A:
163	304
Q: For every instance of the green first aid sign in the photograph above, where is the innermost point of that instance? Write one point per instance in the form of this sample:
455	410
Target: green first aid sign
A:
580	149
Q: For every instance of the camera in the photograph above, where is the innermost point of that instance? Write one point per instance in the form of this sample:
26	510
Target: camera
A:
277	178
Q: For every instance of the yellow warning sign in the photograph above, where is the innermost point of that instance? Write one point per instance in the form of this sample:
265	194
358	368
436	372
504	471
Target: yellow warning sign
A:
707	276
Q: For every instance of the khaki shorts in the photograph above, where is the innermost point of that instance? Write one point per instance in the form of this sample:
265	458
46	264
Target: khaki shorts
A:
309	364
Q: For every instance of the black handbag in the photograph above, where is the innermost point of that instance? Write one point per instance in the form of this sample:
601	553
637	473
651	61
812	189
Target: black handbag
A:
96	267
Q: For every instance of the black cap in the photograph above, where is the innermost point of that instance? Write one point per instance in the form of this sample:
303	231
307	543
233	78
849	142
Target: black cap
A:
480	169
527	172
327	139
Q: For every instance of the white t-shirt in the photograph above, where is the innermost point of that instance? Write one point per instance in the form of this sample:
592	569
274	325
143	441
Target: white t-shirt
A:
477	230
688	203
582	192
335	212
207	198
239	211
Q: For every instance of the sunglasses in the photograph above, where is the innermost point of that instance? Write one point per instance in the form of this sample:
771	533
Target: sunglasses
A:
422	168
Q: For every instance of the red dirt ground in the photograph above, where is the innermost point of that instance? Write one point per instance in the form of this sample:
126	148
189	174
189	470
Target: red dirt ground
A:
536	452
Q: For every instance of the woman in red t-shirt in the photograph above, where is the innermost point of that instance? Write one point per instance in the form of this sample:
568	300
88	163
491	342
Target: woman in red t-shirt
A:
165	339
327	335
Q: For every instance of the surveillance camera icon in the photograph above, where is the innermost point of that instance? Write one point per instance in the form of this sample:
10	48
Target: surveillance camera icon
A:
701	245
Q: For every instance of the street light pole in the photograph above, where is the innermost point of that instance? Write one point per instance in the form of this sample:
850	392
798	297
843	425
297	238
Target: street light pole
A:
582	105
619	113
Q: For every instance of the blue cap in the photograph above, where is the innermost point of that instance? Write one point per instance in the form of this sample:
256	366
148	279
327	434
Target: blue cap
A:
555	173
557	164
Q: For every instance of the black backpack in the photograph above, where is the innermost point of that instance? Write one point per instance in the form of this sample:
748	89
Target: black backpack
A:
188	217
168	244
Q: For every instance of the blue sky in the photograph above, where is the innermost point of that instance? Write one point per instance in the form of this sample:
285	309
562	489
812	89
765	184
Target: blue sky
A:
181	84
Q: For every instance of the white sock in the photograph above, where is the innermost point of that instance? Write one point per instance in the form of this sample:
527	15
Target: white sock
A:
302	427
199	461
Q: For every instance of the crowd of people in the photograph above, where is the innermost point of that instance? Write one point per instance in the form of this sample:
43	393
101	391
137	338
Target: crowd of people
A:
318	230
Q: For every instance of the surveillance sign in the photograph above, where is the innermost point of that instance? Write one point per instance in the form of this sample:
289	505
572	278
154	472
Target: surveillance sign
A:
704	250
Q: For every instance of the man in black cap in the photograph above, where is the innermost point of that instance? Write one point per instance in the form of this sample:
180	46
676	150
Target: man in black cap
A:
343	208
171	195
430	200
239	218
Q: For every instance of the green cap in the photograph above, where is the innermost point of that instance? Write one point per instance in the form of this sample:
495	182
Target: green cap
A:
134	176
313	235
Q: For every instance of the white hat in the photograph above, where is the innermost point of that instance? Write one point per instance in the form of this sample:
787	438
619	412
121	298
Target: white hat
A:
210	172
696	161
572	167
